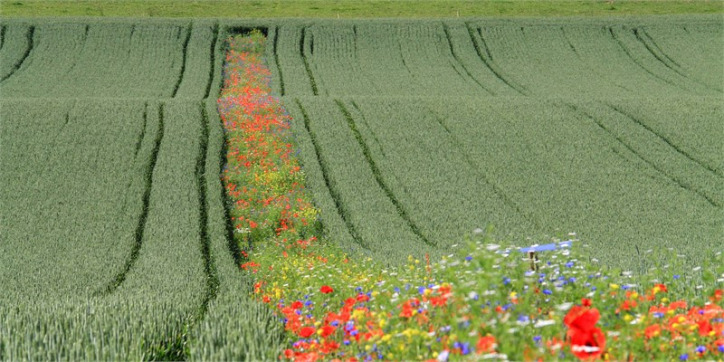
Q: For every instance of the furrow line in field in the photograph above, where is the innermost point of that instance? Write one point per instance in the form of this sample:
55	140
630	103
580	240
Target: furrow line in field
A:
650	44
659	55
487	59
212	56
378	175
183	61
232	245
653	43
336	196
212	278
276	60
312	81
31	44
665	140
637	62
143	131
354	40
457	59
82	48
402	57
580	58
498	191
372	132
3	29
658	169
141	226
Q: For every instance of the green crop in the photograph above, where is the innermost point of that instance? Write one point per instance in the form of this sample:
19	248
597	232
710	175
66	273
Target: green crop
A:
116	241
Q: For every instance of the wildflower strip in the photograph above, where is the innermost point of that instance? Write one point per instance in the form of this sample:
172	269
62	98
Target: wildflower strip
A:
483	300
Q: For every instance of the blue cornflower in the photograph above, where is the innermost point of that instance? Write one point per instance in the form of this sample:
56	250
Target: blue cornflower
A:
569	264
547	291
421	290
721	348
523	318
658	315
700	349
397	289
506	280
572	279
464	347
358	289
677	276
468	258
684	357
334	323
346	342
537	339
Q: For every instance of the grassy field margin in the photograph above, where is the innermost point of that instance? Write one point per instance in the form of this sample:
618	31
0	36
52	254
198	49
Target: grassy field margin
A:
355	9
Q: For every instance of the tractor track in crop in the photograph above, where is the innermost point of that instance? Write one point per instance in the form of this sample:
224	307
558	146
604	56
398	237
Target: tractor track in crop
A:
638	63
3	29
180	77
666	140
588	67
141	226
507	201
307	67
682	184
212	60
487	59
275	48
653	48
212	279
82	49
334	193
401	211
30	35
459	62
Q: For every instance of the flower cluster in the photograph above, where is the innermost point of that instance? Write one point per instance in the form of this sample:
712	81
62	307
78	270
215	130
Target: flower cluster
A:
482	300
263	180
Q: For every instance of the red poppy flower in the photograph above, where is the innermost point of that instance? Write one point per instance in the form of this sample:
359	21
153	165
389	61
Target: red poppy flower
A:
306	332
704	328
326	289
652	331
288	353
718	295
297	305
586	302
486	344
362	297
581	318
327	330
586	340
587	344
